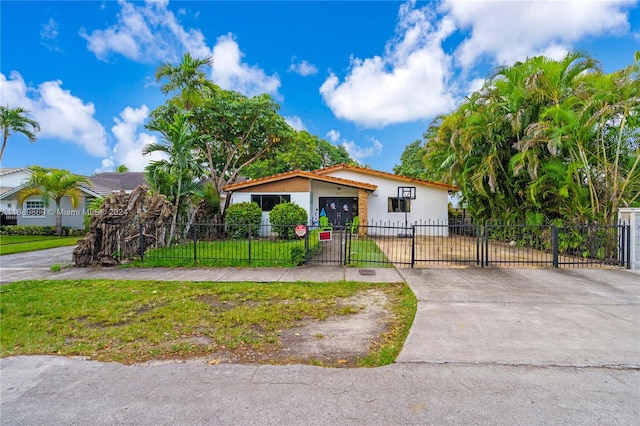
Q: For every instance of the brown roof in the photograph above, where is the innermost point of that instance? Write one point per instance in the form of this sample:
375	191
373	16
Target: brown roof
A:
372	172
299	173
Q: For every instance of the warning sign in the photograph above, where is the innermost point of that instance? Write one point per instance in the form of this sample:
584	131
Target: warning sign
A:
324	235
301	230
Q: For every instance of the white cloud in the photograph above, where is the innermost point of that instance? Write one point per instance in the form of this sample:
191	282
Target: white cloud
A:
409	82
475	85
295	122
61	115
151	33
148	33
106	165
49	35
333	135
508	31
130	141
358	153
304	68
230	73
354	150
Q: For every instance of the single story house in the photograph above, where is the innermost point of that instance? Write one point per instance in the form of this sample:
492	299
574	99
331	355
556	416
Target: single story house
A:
33	211
343	192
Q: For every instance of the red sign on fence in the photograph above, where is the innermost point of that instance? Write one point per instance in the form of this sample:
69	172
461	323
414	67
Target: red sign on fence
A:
324	235
301	230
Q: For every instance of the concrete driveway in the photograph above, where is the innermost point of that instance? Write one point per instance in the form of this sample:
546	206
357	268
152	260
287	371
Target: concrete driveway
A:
555	317
488	346
33	264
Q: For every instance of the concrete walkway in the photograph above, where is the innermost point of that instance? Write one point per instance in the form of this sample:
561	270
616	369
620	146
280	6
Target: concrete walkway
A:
487	346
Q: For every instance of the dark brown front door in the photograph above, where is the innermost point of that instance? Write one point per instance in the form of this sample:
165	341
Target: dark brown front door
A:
339	210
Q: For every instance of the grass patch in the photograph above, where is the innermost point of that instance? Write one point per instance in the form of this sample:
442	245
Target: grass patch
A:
230	253
403	304
137	321
366	253
10	244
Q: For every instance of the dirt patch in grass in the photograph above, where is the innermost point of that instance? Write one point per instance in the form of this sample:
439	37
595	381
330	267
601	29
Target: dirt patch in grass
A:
339	340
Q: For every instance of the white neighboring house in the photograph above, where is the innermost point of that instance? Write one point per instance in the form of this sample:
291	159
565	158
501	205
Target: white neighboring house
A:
343	192
33	211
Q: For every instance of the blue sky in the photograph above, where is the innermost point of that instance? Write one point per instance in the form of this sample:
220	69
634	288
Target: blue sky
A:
368	75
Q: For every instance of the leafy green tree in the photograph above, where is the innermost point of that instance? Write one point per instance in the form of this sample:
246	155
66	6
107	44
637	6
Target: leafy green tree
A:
14	120
53	184
233	130
543	138
236	131
187	78
302	151
177	176
122	169
412	160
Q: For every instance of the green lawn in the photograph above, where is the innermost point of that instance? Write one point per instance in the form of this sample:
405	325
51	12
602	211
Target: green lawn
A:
22	243
366	253
136	321
229	253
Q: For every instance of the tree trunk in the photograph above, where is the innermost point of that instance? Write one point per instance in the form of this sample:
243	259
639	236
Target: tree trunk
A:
4	143
58	219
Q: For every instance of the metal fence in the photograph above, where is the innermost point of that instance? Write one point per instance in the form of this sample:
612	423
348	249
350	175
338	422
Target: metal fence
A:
420	245
222	245
7	219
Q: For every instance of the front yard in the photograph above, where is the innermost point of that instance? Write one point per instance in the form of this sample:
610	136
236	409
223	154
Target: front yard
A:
140	321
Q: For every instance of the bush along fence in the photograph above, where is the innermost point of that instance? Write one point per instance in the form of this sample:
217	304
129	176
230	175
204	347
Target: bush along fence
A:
421	245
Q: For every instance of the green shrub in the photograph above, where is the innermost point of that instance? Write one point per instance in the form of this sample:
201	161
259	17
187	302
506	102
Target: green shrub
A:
284	217
297	255
39	230
243	219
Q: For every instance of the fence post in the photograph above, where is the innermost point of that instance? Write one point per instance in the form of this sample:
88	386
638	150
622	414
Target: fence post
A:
347	233
195	245
478	231
628	230
249	245
554	244
141	244
306	247
486	245
413	245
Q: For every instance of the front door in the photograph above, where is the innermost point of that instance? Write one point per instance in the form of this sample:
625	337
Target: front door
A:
339	210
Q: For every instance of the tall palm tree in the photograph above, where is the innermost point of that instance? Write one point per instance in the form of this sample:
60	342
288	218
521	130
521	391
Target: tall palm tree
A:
53	184
188	78
122	168
180	170
14	120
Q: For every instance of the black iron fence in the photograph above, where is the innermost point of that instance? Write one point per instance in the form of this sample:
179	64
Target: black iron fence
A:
427	244
7	219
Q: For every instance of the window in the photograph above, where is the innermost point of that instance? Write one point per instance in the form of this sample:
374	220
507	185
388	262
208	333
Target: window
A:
268	202
33	208
399	205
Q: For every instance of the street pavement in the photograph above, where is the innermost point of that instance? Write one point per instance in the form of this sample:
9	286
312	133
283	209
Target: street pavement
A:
487	346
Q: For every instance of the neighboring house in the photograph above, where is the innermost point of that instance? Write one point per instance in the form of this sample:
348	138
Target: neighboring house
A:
106	183
343	192
33	211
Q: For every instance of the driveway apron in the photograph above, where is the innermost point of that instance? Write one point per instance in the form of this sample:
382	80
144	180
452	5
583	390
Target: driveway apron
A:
578	317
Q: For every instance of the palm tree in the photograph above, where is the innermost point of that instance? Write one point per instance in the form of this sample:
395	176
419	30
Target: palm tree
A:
122	169
186	77
53	184
176	175
14	120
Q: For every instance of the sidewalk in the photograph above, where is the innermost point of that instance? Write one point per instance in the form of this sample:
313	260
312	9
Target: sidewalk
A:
264	275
